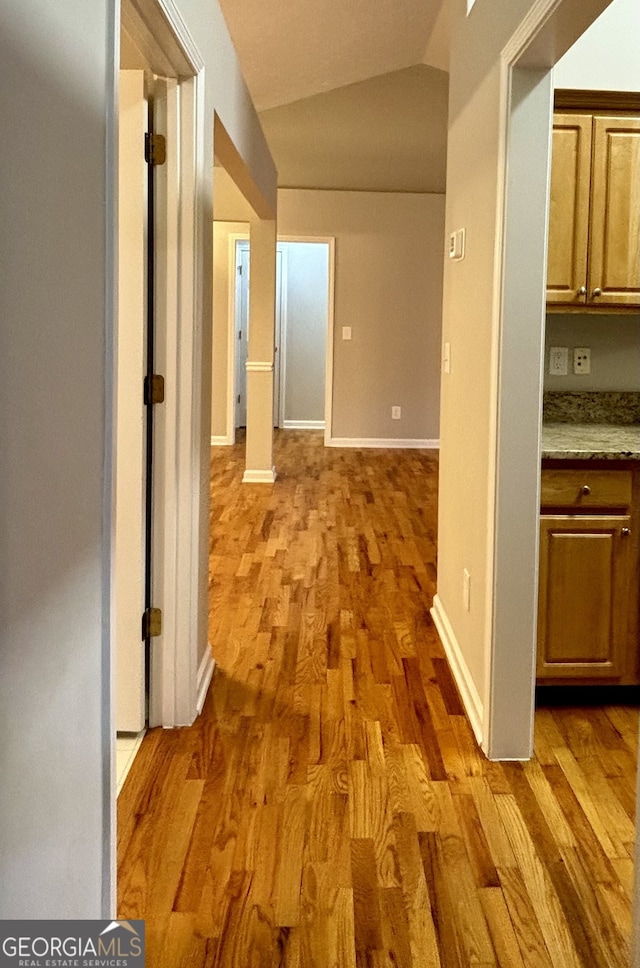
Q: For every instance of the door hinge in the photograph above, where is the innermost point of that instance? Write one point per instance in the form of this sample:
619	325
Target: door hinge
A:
238	398
153	389
152	623
240	270
239	334
155	149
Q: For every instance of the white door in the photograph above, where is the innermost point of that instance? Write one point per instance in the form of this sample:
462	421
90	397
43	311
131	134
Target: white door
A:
130	426
242	334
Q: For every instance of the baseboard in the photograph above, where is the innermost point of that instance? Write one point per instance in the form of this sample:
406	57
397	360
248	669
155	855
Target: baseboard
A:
407	443
303	424
203	681
466	686
259	477
221	441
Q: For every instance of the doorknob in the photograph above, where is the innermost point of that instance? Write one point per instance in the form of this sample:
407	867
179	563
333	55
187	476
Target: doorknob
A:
597	291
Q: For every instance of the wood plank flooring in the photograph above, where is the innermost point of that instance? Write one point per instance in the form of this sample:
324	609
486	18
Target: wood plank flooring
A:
330	808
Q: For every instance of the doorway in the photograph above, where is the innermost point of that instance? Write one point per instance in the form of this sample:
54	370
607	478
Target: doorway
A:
156	547
304	328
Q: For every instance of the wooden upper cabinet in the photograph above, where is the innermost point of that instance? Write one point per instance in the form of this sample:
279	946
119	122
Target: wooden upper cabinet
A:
569	208
594	216
614	249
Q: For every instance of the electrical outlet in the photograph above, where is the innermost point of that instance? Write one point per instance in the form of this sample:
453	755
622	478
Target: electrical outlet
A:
346	332
466	590
582	360
559	360
396	413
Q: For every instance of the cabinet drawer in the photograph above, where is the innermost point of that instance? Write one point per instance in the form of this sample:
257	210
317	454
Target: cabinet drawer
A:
586	489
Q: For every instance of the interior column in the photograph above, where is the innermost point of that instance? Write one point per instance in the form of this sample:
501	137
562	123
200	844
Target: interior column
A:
262	302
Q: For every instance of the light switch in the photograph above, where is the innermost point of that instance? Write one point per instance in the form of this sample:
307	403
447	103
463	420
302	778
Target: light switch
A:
456	244
346	332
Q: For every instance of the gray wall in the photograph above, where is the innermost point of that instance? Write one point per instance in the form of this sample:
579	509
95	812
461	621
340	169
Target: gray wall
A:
615	350
388	289
304	340
54	485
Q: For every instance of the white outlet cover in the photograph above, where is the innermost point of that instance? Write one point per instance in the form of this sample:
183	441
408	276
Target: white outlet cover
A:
582	360
558	360
346	332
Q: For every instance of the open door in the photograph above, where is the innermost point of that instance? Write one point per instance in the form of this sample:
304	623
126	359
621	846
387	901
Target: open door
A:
131	459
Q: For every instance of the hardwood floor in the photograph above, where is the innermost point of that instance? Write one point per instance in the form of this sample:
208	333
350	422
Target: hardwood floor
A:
330	808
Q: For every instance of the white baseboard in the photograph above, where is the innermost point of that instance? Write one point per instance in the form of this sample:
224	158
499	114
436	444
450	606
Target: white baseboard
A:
411	443
303	424
221	441
205	672
259	477
466	686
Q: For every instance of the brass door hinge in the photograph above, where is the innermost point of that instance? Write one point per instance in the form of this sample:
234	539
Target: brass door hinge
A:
153	389
152	623
155	149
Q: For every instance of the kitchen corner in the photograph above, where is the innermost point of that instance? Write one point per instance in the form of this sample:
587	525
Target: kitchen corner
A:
589	589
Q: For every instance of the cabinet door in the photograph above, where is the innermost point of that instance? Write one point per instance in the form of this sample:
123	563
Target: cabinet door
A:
569	209
614	247
585	597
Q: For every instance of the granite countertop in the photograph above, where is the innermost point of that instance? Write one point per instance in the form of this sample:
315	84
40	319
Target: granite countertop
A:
591	426
592	441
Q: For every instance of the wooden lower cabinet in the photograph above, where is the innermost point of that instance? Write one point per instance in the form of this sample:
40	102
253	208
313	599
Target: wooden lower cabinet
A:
588	583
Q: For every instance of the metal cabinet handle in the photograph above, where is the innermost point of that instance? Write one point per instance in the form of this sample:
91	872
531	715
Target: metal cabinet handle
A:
585	489
625	532
582	291
597	291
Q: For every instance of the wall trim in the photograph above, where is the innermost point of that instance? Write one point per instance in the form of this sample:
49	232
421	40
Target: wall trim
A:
397	443
222	440
302	424
259	366
259	477
466	686
205	673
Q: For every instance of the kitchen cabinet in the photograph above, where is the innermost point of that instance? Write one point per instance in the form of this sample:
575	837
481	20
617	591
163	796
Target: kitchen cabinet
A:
594	216
588	583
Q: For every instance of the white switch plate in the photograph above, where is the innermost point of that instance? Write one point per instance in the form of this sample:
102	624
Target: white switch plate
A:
346	332
559	360
456	244
396	413
446	358
582	360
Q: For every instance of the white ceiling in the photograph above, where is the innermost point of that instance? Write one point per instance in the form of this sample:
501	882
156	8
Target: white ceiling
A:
293	49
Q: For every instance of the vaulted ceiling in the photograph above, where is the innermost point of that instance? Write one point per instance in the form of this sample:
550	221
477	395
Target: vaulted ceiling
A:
294	49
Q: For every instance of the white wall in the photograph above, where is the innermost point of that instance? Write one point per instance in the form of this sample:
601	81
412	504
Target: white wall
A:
606	57
56	435
303	344
388	289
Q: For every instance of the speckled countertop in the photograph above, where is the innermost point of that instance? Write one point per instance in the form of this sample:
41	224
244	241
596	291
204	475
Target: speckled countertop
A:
591	426
573	441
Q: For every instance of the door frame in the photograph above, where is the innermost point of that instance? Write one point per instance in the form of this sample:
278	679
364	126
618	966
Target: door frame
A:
524	160
234	238
176	691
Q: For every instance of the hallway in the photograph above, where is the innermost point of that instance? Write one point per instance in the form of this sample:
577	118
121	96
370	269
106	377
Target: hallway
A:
330	808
